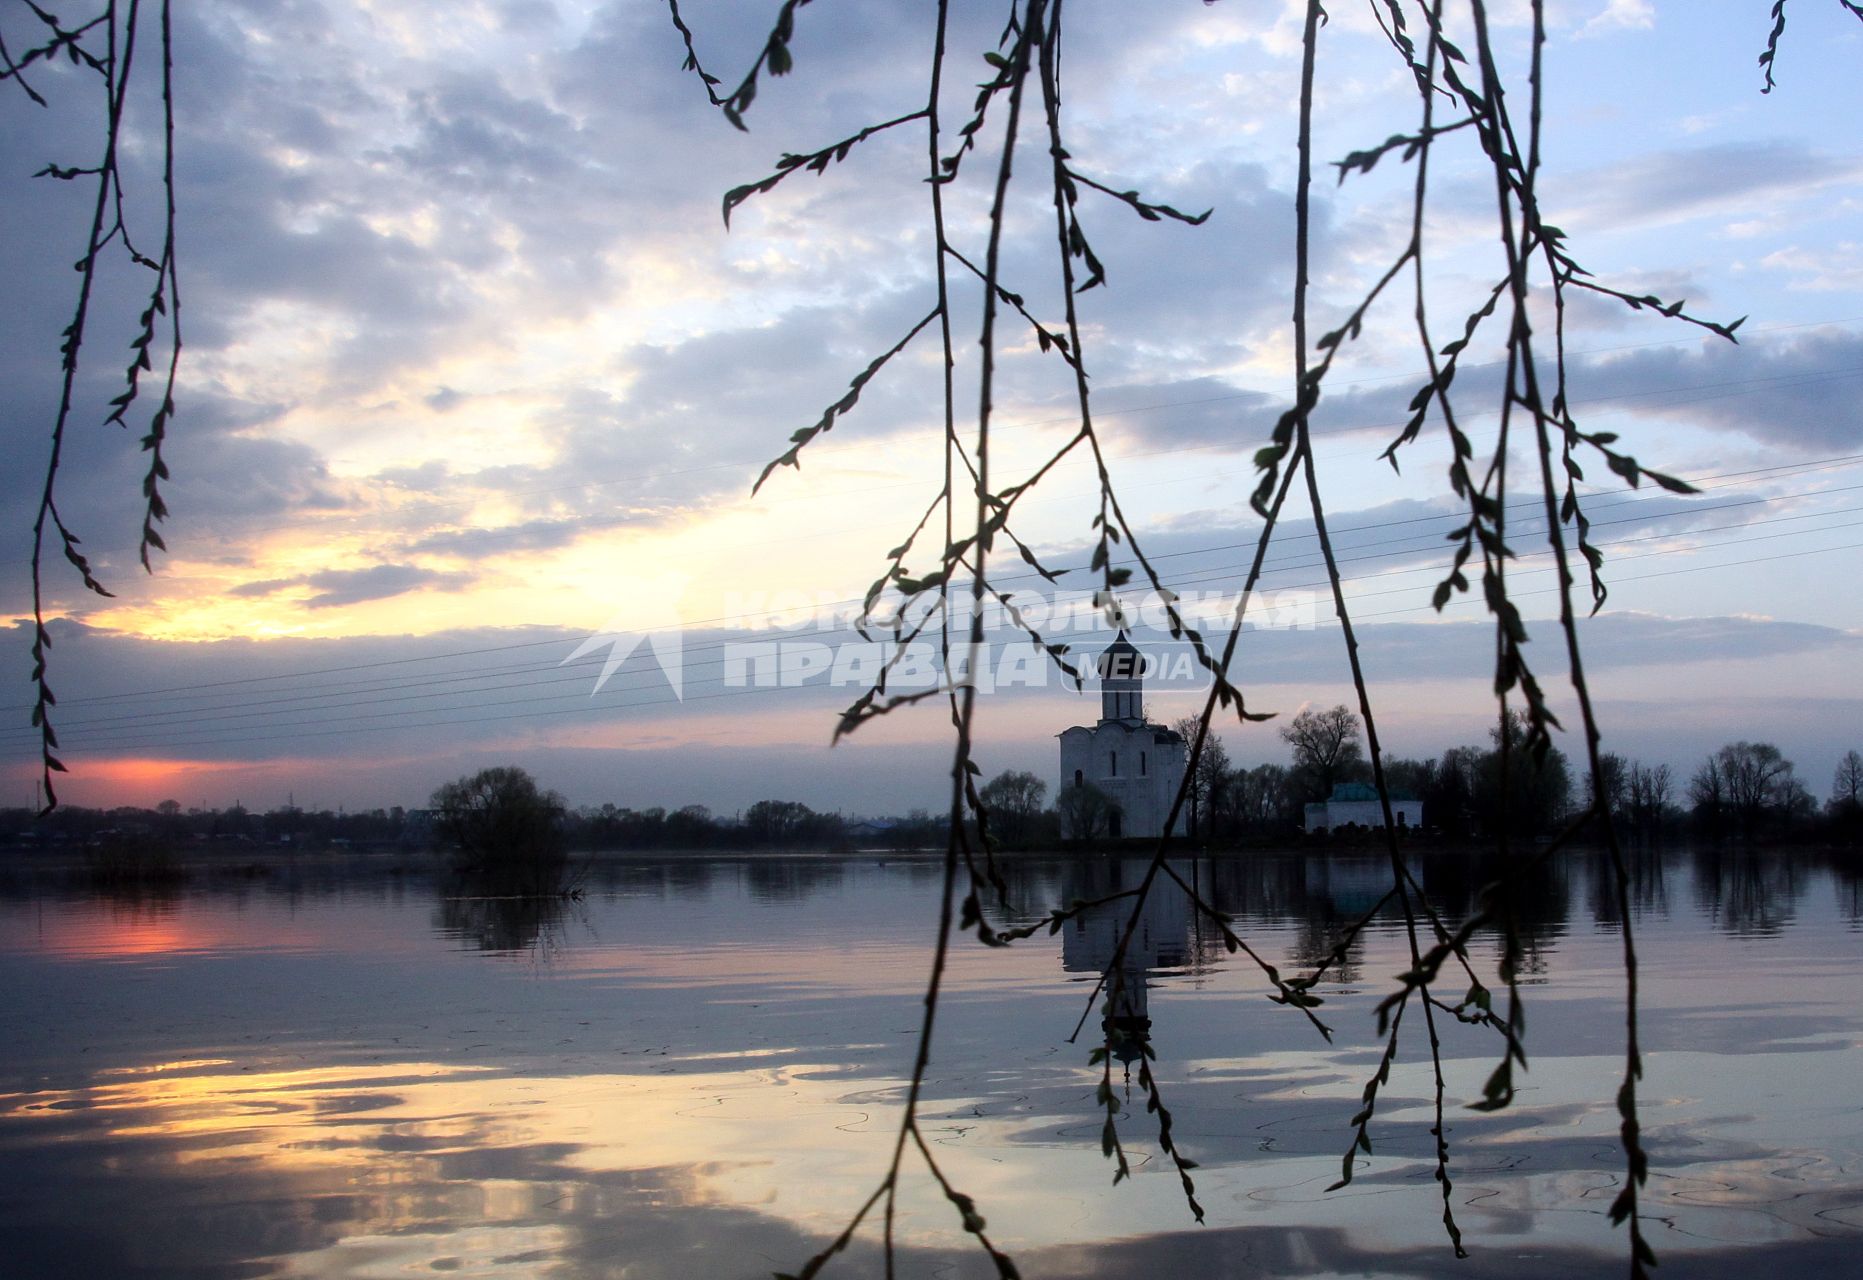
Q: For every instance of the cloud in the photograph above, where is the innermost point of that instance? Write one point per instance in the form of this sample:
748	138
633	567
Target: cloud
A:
1829	268
1619	15
529	536
700	417
263	587
1220	412
336	587
472	689
1797	393
1178	297
1658	187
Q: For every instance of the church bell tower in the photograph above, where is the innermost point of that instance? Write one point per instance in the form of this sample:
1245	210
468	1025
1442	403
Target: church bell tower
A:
1122	682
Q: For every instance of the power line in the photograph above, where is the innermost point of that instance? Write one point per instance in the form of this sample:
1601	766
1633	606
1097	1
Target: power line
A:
320	699
347	689
1613	499
301	728
701	697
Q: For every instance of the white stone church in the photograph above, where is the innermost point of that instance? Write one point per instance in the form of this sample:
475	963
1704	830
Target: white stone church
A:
1139	765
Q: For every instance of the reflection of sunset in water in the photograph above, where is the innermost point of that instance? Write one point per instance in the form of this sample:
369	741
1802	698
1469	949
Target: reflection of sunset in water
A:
482	1156
125	931
699	1075
411	1164
128	928
124	934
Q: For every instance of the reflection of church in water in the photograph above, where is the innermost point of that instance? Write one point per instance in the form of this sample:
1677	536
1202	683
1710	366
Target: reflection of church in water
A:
1169	936
1139	765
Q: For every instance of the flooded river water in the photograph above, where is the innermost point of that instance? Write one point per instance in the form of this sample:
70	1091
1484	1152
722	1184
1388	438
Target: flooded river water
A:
695	1070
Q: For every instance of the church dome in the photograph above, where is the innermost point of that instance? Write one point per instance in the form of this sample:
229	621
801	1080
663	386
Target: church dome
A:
1121	660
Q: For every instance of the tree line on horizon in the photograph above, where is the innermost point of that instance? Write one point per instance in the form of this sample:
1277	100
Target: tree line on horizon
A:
519	816
1742	791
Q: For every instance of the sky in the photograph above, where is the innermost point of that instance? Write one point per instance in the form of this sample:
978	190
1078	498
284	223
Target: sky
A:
477	381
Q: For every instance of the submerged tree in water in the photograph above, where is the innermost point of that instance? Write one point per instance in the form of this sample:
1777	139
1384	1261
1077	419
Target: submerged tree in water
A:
500	818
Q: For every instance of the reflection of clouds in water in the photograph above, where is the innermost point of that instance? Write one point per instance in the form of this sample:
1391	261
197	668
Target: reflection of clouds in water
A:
359	1169
666	1099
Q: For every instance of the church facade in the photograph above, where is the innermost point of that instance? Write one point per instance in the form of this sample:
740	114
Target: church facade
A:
1136	764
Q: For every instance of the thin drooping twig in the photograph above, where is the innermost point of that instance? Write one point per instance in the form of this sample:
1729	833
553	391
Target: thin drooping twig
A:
154	508
1309	467
711	82
965	703
1624	1209
116	79
159	321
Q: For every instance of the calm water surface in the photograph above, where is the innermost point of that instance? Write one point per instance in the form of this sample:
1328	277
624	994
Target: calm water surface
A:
695	1071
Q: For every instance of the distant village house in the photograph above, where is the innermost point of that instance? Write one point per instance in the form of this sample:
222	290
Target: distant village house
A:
1356	804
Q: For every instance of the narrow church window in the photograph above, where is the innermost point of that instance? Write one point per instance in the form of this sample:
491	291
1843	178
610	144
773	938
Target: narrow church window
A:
1114	756
1079	778
1142	764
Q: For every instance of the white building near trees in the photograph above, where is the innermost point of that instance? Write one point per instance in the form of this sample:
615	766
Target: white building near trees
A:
1356	804
1138	765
